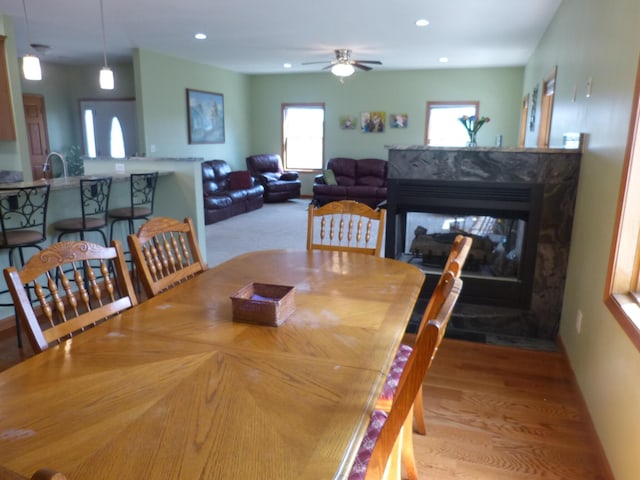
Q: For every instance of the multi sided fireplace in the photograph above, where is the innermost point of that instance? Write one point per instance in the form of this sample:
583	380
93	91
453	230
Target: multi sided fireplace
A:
424	216
516	203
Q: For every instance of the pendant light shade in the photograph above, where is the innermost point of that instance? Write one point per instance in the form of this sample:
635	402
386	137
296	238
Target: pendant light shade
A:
30	63
106	74
31	67
106	79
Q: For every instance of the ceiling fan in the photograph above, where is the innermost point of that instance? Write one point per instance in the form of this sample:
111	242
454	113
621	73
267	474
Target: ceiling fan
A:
343	65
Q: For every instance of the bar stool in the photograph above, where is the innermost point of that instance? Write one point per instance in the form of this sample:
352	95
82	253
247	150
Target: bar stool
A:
23	218
94	200
142	189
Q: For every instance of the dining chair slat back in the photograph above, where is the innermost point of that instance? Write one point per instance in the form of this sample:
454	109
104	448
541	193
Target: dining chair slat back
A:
384	436
75	284
455	263
165	253
347	226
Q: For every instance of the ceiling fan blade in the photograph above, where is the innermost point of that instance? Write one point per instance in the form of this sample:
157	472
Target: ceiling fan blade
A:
360	66
374	62
315	63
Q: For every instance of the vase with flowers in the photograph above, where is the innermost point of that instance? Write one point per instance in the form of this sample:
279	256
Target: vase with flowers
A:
472	125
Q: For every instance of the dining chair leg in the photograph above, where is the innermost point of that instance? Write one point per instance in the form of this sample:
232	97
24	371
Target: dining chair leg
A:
393	469
408	457
418	413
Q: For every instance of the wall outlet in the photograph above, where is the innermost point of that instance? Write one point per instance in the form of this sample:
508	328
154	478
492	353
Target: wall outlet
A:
579	321
119	167
152	148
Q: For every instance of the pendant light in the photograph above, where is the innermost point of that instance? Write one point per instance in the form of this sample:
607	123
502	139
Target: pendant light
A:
106	74
30	63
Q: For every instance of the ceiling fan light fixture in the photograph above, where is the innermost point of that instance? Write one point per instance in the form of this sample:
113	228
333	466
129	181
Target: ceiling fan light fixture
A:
31	67
342	69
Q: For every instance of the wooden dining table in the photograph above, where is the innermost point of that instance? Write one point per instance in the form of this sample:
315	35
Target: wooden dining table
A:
174	388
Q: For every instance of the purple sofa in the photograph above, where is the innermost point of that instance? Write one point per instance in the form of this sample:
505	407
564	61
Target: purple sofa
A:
363	180
228	193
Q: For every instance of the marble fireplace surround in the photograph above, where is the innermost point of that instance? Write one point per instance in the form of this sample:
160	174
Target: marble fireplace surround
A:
556	170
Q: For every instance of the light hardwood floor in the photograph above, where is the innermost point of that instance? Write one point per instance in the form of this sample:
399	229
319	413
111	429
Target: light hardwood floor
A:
492	412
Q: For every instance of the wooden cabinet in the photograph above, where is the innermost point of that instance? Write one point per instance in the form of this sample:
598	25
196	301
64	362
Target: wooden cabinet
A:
7	125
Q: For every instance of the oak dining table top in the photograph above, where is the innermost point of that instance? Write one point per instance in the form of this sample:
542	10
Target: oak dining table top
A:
175	389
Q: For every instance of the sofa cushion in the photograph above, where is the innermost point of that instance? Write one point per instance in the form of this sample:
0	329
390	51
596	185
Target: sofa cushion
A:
343	167
371	171
240	180
215	202
370	181
329	177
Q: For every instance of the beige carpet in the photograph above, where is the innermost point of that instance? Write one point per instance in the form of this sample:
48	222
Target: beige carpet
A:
274	226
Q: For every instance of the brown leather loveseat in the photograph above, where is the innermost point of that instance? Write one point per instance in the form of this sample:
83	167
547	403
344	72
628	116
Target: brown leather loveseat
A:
363	180
228	193
279	186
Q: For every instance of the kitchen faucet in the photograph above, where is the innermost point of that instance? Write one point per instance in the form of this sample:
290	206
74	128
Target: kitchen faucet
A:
46	166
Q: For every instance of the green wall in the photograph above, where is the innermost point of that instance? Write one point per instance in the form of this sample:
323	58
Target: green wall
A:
161	83
601	40
62	87
499	91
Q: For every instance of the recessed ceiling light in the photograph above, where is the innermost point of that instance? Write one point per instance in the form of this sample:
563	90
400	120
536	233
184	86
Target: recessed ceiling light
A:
423	22
287	65
201	36
443	60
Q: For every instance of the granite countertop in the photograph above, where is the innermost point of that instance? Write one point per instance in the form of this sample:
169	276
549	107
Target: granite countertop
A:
74	182
485	149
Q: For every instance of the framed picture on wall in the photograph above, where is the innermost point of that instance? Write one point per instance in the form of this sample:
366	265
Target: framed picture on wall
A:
372	121
398	120
205	115
348	122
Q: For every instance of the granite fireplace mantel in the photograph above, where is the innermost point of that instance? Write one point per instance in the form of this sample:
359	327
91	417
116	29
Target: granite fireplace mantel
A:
556	171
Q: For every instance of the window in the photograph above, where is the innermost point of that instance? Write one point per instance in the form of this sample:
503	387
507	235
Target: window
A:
117	139
622	294
443	129
303	136
90	139
546	108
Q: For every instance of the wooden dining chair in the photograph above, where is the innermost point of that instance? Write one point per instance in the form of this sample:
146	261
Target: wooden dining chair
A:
455	263
346	226
388	441
76	285
42	474
165	253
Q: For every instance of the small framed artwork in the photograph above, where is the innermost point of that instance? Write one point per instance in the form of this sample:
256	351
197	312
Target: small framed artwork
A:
348	122
532	113
399	120
205	114
372	121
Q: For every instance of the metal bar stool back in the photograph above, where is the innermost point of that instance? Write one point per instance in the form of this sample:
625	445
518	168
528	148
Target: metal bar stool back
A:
94	197
142	190
23	219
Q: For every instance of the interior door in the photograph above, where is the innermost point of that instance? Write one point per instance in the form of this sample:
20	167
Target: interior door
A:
101	132
36	120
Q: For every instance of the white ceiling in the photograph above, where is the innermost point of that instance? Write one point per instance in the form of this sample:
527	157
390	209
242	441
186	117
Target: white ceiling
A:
258	36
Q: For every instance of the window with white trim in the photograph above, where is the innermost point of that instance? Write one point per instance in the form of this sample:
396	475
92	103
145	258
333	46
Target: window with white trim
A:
303	136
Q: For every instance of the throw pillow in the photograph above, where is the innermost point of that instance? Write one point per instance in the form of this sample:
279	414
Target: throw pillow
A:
329	177
240	180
